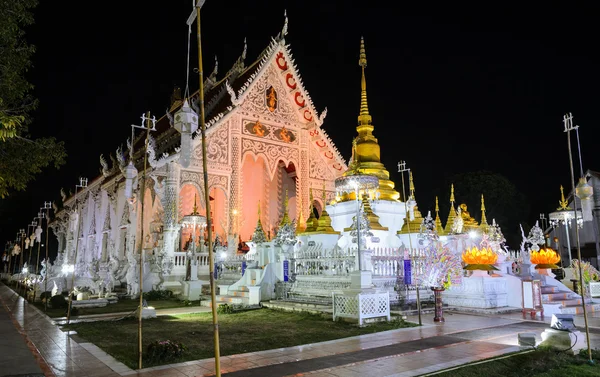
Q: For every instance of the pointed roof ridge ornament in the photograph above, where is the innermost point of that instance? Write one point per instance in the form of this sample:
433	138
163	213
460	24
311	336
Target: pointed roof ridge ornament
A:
284	30
286	218
364	118
195	209
564	204
245	49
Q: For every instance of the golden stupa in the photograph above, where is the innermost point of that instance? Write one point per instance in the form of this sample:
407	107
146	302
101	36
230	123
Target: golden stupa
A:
484	226
322	225
414	225
438	222
312	221
366	157
452	214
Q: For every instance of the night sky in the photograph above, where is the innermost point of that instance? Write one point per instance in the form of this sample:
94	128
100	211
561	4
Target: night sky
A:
450	90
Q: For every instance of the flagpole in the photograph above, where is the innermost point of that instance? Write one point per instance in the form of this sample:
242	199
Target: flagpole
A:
202	119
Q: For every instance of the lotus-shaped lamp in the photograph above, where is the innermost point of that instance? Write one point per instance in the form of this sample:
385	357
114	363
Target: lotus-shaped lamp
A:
545	258
480	259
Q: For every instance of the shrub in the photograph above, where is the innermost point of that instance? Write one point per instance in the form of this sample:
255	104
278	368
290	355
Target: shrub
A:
45	295
164	350
155	295
58	302
225	309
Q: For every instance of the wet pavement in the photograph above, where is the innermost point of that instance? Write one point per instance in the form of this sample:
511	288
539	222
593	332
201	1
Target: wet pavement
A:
38	343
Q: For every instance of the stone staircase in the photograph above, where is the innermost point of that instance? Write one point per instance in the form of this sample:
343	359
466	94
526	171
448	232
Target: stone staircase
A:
236	297
564	302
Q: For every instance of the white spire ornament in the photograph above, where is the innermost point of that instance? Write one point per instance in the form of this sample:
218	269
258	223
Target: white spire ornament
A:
536	237
457	226
428	231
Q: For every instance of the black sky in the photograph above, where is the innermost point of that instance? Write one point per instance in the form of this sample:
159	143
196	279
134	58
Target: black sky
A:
450	90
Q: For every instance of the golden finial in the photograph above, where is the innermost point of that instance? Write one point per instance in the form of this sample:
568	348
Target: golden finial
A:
259	210
451	193
483	218
310	196
364	118
564	205
411	184
195	209
324	196
285	219
437	205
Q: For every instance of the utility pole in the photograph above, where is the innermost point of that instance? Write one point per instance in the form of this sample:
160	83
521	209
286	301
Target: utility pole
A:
195	15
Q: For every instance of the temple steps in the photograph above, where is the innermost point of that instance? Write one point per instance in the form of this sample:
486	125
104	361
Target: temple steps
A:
557	296
591	308
549	289
565	302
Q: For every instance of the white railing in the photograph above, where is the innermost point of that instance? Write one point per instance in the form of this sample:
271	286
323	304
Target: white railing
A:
361	306
594	289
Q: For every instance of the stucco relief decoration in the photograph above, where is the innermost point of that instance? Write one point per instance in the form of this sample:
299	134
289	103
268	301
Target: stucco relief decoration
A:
256	129
317	168
271	99
266	97
290	81
259	129
272	153
197	179
299	98
216	147
308	115
281	63
284	135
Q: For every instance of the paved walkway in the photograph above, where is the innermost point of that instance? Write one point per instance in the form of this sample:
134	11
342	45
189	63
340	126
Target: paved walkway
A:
461	339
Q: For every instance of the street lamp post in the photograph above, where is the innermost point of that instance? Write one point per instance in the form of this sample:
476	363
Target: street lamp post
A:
355	184
47	206
401	169
148	124
82	184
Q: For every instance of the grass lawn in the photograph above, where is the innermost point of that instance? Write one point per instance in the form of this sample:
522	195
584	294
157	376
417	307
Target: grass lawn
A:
247	331
539	363
125	305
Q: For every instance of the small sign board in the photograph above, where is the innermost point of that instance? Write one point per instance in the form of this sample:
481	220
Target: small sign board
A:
243	267
286	270
375	239
407	272
216	271
311	243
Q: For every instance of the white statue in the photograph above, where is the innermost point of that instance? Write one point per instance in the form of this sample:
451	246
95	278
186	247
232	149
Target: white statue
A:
133	285
457	226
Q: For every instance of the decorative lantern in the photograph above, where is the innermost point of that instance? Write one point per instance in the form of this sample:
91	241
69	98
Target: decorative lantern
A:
585	193
480	259
186	123
545	258
130	174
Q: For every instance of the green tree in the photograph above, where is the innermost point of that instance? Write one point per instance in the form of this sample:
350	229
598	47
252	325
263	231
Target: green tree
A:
21	157
503	201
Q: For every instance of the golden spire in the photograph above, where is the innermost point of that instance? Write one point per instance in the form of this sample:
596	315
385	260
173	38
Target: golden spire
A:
364	118
195	209
484	225
564	205
367	154
311	222
259	223
452	214
413	225
438	221
323	224
301	223
285	219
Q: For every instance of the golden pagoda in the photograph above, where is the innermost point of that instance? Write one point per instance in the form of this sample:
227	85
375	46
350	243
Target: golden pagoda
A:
323	224
469	223
259	232
438	222
414	225
452	214
312	222
366	158
484	226
301	223
286	218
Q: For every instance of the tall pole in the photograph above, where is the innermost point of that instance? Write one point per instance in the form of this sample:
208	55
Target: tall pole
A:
141	278
358	228
568	127
568	237
401	170
82	184
206	194
47	206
